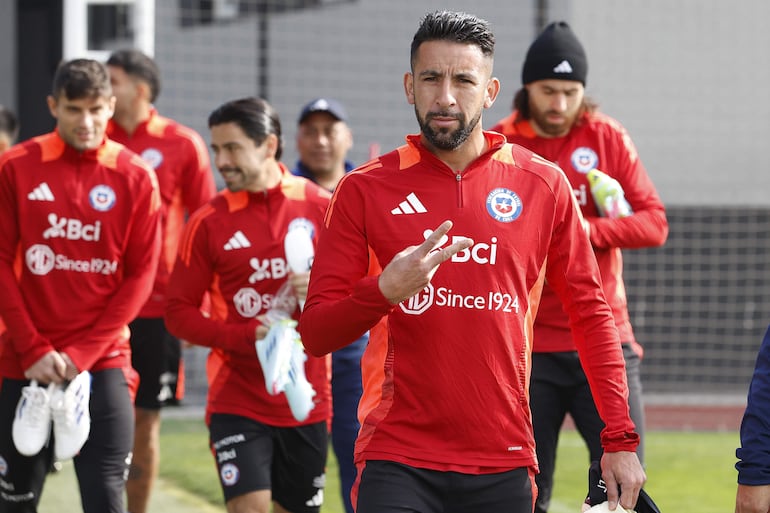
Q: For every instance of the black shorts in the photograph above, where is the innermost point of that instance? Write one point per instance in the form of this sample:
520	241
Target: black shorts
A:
156	357
389	487
252	456
102	464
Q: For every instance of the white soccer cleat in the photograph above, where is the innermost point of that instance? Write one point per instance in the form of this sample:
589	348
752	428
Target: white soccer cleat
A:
299	392
71	416
283	305
274	353
32	422
298	246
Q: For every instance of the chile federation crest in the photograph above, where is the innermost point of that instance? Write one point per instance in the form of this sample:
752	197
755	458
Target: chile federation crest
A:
503	205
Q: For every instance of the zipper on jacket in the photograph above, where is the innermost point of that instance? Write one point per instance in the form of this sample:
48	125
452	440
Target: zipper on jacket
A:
459	180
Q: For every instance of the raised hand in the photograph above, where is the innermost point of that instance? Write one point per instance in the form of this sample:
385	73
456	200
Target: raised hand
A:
412	269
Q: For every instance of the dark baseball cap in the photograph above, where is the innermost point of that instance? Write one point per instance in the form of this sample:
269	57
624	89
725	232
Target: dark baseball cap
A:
328	105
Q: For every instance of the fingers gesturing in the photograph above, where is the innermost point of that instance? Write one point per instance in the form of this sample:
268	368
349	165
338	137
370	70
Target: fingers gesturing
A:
412	269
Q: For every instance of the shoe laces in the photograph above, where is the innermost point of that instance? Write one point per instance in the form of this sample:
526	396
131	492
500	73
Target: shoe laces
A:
63	408
37	400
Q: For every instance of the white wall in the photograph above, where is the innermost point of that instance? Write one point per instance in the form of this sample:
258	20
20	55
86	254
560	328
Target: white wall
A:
689	79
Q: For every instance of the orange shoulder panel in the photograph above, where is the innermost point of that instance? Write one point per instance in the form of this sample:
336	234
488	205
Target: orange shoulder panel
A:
505	154
294	187
51	146
407	157
157	125
108	155
236	200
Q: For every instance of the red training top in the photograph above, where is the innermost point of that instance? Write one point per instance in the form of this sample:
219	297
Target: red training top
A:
79	245
233	248
181	162
596	141
446	372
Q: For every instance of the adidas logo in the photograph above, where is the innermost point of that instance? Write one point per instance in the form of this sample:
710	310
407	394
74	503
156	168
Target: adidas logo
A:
412	205
237	241
563	67
41	193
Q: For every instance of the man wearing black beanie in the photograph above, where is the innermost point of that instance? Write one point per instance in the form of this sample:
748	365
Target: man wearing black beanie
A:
552	117
556	54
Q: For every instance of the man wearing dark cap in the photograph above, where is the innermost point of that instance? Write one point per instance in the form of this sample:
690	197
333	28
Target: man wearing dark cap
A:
553	117
323	141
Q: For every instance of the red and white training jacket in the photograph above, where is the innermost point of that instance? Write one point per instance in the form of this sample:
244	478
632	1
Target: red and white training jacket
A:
446	373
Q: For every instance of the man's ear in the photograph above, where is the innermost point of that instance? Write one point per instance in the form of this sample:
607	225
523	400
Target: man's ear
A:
409	87
144	90
272	144
493	89
51	102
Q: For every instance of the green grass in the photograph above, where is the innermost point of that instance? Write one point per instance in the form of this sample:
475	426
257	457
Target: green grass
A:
187	462
685	470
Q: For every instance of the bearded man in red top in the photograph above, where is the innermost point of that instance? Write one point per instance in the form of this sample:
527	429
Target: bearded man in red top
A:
553	118
466	228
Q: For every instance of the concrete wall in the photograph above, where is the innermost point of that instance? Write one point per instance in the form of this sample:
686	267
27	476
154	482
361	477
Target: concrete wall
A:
689	80
357	52
686	78
8	54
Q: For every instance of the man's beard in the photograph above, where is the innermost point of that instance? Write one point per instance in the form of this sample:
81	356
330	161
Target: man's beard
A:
445	139
552	129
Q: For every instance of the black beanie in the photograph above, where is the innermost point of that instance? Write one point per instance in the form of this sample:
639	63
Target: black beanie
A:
556	53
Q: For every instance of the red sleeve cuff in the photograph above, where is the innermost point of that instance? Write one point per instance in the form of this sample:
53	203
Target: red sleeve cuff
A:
618	442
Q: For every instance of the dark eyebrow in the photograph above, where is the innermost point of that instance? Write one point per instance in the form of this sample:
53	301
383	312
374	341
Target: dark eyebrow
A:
466	76
430	73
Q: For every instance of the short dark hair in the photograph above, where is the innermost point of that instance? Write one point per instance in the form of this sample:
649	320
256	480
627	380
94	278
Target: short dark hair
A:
255	116
8	123
81	78
458	27
138	65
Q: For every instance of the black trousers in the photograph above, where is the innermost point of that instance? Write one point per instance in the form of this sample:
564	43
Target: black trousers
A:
559	386
102	465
